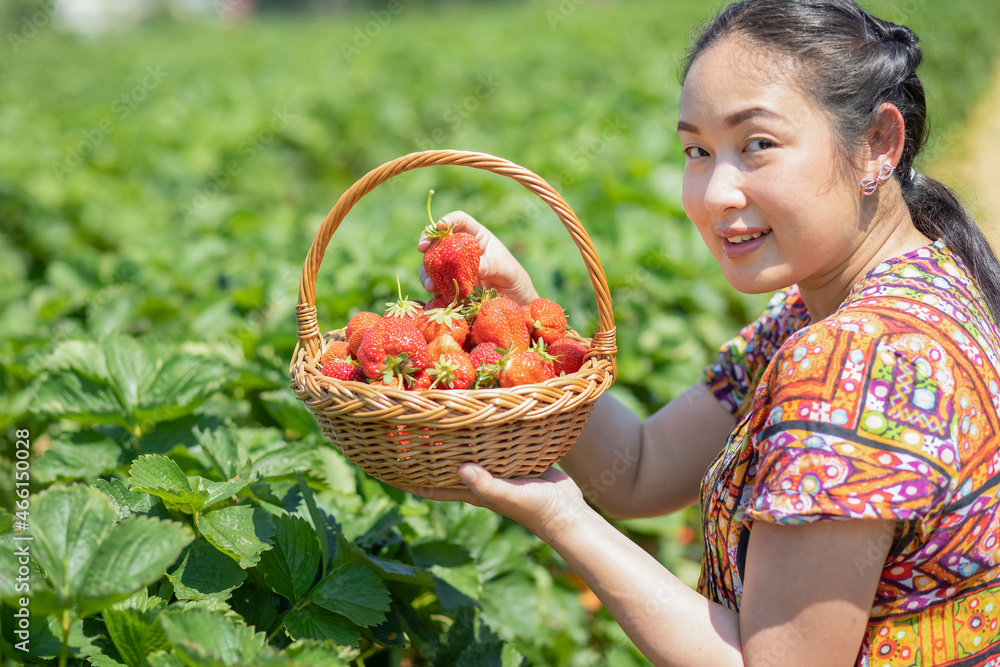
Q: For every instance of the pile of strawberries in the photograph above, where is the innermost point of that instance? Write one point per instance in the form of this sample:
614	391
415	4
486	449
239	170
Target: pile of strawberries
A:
463	338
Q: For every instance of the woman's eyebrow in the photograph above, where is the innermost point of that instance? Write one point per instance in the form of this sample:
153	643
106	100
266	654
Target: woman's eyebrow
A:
733	119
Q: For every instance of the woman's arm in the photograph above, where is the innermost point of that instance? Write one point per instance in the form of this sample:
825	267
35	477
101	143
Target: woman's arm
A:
633	468
807	594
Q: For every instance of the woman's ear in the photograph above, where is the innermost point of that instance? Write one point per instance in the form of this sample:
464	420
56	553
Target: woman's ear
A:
886	141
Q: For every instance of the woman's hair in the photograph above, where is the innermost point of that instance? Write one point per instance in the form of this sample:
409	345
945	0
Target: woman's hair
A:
850	63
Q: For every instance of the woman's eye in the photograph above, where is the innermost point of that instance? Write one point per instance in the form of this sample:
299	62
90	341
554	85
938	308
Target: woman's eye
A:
759	144
694	151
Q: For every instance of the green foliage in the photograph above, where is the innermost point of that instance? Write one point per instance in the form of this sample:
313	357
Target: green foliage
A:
158	194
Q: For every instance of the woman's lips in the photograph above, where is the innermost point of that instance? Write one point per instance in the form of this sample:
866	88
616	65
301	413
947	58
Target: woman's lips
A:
735	248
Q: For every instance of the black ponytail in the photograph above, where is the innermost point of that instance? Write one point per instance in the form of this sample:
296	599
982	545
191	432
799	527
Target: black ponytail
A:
851	63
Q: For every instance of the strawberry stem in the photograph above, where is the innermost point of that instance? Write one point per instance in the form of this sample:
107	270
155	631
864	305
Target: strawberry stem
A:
429	216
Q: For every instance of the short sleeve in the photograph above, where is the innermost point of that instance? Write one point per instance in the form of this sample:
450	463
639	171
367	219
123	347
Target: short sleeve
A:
740	364
868	434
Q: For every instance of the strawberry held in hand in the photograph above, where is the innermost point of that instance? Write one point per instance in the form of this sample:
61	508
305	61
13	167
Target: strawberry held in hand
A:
452	261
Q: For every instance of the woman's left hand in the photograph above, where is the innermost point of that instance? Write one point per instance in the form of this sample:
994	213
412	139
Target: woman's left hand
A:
543	505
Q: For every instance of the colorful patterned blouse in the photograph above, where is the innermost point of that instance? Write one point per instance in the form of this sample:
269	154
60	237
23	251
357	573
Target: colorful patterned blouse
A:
886	409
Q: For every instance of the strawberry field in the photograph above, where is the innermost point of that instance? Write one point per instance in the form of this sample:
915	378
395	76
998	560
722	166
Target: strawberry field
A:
166	500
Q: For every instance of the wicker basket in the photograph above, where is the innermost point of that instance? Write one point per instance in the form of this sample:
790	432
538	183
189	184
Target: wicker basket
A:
420	438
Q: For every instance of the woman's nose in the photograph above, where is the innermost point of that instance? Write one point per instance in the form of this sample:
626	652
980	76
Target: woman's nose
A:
725	188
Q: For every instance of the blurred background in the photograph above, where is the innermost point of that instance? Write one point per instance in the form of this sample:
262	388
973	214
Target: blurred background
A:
165	164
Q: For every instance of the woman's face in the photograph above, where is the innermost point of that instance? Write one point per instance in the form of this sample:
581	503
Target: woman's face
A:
762	179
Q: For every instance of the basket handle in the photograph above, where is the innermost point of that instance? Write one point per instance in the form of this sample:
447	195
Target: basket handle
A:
309	333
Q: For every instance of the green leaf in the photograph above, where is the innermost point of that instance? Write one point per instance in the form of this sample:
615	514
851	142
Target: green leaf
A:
83	455
125	501
290	568
182	383
135	628
316	653
74	396
131	367
84	357
290	412
203	638
203	572
354	591
135	553
6	521
314	623
68	524
221	447
160	476
219	490
317	519
239	531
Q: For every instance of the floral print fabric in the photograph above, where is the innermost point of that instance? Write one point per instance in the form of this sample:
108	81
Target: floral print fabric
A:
889	408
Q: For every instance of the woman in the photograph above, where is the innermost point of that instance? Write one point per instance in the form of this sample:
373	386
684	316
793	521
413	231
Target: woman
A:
850	435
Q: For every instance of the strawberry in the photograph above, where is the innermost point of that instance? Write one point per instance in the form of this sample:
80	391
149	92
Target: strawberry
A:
443	344
502	322
422	380
453	371
437	321
335	350
356	328
486	357
568	354
529	366
548	321
437	302
452	260
340	369
393	346
404	307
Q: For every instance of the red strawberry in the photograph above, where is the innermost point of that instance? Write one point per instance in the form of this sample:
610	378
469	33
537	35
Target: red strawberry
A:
438	302
443	344
422	380
452	260
356	328
438	321
343	370
393	345
453	371
502	322
335	350
568	354
548	321
361	321
486	354
526	367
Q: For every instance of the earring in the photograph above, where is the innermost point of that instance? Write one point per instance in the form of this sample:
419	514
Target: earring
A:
870	185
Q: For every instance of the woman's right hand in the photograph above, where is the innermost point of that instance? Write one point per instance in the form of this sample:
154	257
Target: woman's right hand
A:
497	267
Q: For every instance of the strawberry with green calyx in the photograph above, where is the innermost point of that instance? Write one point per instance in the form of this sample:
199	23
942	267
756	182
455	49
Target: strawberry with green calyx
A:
568	355
340	369
548	321
502	322
421	381
439	321
452	260
528	366
385	343
437	302
453	371
486	357
336	350
475	301
404	307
